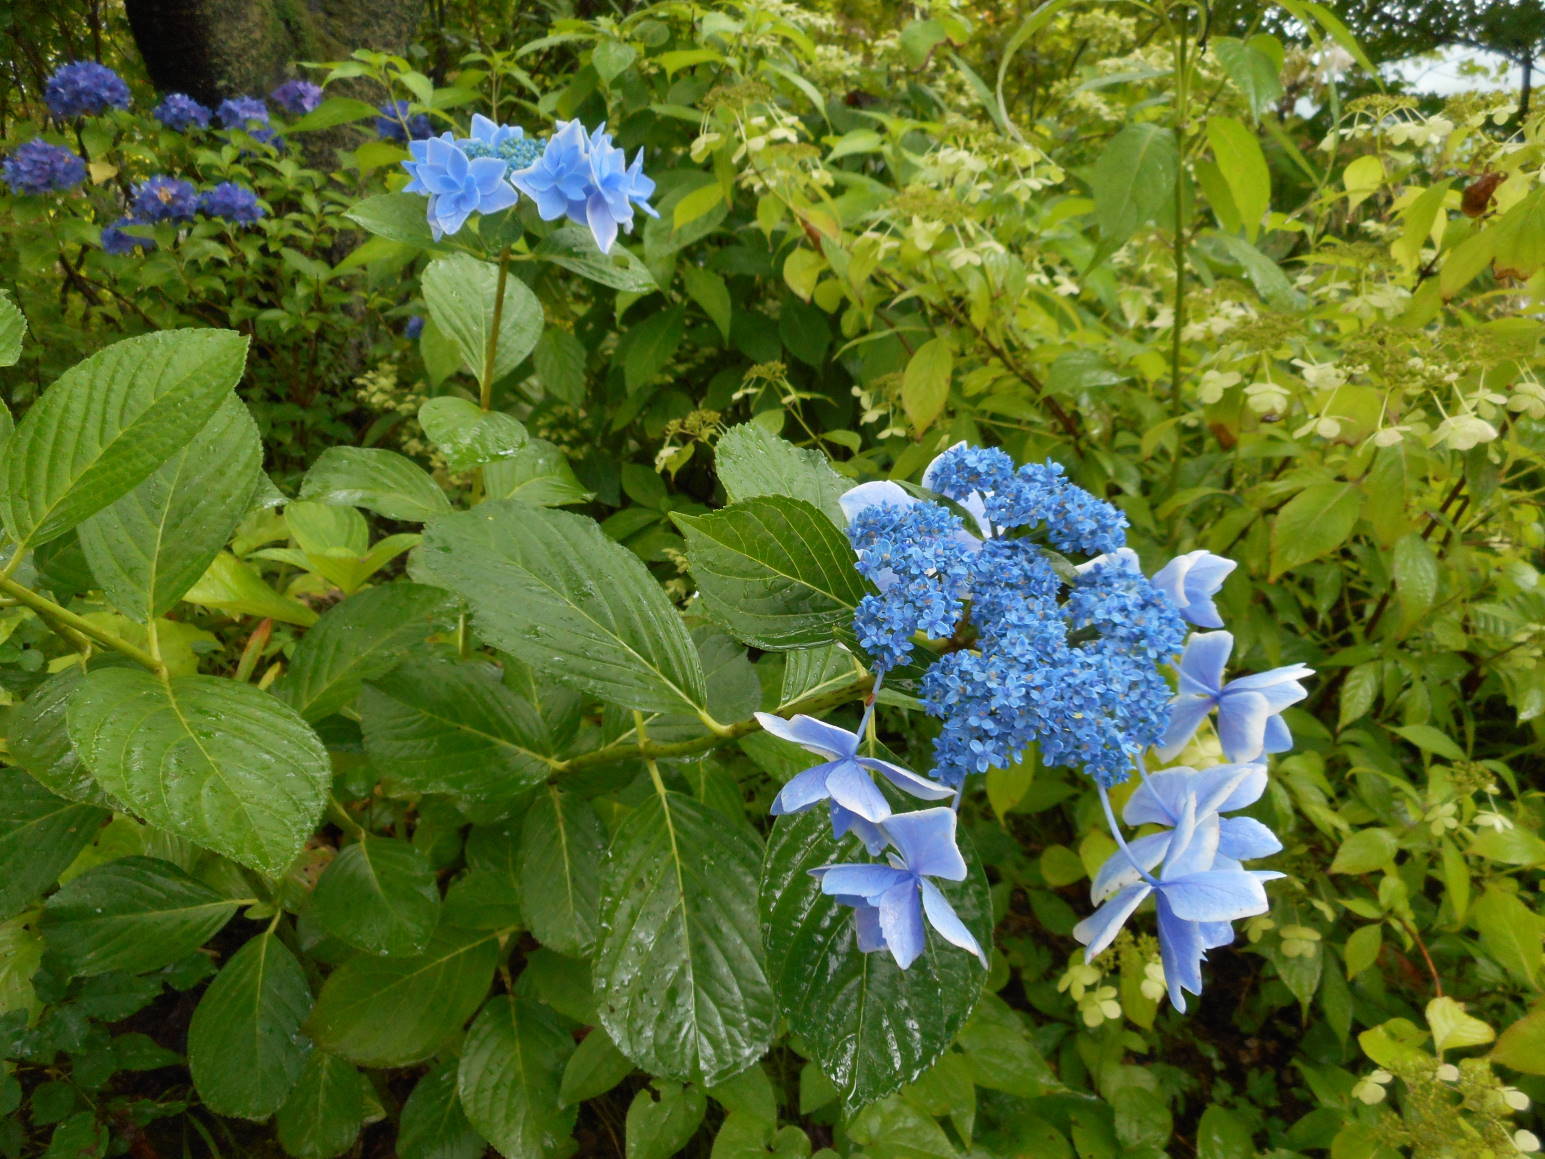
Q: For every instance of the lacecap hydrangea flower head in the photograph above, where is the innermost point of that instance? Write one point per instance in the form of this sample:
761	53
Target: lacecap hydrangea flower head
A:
1042	630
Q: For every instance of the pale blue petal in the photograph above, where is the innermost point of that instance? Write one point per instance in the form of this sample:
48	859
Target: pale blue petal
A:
603	226
866	495
1186	714
901	922
1215	896
1181	951
1118	872
1245	839
803	790
1194	847
1277	739
1099	929
942	917
1160	799
925	839
1242	720
813	735
866	921
1215	934
866	881
1202	663
1237	785
844	821
906	781
854	789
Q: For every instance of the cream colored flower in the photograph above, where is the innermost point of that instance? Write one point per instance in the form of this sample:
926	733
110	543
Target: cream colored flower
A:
1370	1090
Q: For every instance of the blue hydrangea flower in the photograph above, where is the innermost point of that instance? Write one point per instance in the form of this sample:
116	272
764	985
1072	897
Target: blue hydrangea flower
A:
899	893
38	167
844	778
1198	895
1191	580
249	114
85	88
586	178
118	243
413	327
616	187
297	97
231	202
395	124
1249	707
164	198
457	186
559	180
180	112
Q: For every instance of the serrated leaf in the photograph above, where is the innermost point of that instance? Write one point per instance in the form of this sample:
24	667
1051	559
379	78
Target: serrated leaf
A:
549	588
594	1068
559	866
455	970
133	914
13	328
752	462
439	726
678	971
234	587
511	1067
40	743
382	481
538	474
433	1125
559	361
460	292
775	572
222	763
399	217
378	895
1313	523
659	1127
40	835
1415	571
245	1049
1511	933
469	436
1522	1045
149	547
1452	1028
108	422
873	1026
1133	177
360	639
573	247
925	384
322	1116
1254	73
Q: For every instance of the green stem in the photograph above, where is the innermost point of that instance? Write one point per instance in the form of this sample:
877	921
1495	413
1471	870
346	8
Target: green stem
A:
491	343
54	613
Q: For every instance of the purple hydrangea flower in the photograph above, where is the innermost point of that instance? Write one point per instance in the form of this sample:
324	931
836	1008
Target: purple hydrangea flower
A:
38	167
180	112
85	88
164	198
297	97
249	114
394	124
117	242
231	202
457	186
1249	707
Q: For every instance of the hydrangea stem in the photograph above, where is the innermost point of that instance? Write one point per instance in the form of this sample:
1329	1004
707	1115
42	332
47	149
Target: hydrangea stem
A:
491	343
1115	831
57	616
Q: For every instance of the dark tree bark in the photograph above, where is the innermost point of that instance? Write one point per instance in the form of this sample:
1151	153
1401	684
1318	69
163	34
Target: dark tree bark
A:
212	49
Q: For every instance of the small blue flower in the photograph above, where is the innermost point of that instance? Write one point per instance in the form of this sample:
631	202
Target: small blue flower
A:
38	167
844	778
297	97
242	112
118	243
1249	707
559	180
85	88
413	327
164	198
457	186
232	202
1191	580
180	112
394	124
616	187
587	179
900	893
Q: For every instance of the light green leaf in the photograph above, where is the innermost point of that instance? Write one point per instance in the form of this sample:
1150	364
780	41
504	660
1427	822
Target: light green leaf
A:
40	835
1362	948
221	763
573	248
340	111
379	895
538	474
460	292
439	726
1254	73
662	1119
511	1067
775	572
1430	740
152	545
752	462
559	864
108	422
549	588
382	481
1452	1028
40	743
1244	167
245	1049
469	436
1514	846
235	587
322	1116
709	291
134	914
1415	569
678	971
1522	1045
433	1125
455	970
361	639
1511	933
925	384
1133	177
1366	851
1313	523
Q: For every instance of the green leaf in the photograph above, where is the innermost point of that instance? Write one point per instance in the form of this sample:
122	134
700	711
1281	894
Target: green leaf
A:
1515	846
133	914
460	292
433	1125
40	835
379	895
13	328
659	1127
709	291
549	588
439	726
678	971
1415	570
873	1026
399	217
40	743
593	1069
341	111
219	762
1264	274
1510	932
148	548
559	361
108	423
1223	1134
1134	176
752	462
573	248
538	474
361	639
925	384
511	1068
1313	523
1362	948
455	970
1366	851
1244	167
559	865
382	481
234	587
1254	73
1430	740
322	1116
775	572
1452	1028
469	436
648	346
245	1049
1522	1045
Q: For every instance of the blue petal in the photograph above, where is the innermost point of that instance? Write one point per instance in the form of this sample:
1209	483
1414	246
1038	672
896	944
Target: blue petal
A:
1160	799
1201	664
603	226
804	790
1277	739
942	917
1245	839
844	821
867	881
813	735
1118	872
1099	929
1186	714
851	786
925	839
906	781
866	495
901	922
1217	895
1226	788
1181	951
1242	720
866	920
1194	847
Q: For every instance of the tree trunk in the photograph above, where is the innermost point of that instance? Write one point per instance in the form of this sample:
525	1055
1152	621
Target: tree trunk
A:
212	49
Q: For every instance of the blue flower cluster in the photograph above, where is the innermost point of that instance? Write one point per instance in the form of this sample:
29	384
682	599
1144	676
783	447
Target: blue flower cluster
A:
249	114
162	198
574	174
297	97
38	167
85	88
396	124
180	112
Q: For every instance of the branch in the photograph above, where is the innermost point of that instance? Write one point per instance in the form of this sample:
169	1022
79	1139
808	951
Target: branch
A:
53	613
